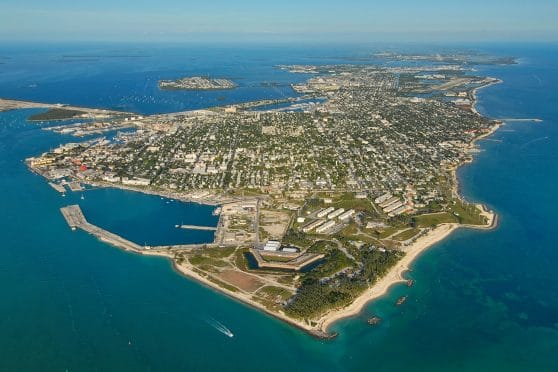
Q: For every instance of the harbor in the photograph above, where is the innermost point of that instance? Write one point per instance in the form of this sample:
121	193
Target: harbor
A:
76	220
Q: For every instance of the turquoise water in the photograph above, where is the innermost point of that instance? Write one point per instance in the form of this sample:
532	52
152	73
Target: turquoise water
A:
483	301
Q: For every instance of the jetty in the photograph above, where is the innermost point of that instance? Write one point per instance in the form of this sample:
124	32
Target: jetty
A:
61	189
194	227
76	220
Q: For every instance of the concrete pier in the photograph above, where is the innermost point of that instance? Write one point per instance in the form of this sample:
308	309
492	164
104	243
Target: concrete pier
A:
194	227
61	189
74	216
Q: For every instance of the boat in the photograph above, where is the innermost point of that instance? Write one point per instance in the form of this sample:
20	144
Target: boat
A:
410	282
216	211
401	300
82	197
220	327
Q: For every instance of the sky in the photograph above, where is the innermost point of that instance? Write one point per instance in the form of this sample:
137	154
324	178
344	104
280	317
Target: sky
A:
283	20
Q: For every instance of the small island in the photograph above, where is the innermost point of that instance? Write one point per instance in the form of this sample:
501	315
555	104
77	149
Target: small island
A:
196	83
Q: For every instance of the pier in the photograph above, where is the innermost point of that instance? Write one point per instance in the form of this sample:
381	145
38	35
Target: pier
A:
194	227
74	216
61	189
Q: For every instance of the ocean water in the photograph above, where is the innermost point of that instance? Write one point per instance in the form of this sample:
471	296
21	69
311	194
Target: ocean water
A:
483	300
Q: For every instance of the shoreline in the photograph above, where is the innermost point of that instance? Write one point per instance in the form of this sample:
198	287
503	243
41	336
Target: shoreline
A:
187	271
380	288
432	237
7	104
396	274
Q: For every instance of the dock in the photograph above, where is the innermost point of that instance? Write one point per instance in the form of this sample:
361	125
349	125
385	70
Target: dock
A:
75	186
194	227
74	216
61	189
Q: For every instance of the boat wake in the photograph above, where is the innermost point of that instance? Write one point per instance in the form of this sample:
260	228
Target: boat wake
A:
533	141
219	326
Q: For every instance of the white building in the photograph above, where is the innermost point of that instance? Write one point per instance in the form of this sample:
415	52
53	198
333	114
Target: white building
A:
326	226
383	198
272	245
311	226
290	249
325	212
335	213
136	182
348	214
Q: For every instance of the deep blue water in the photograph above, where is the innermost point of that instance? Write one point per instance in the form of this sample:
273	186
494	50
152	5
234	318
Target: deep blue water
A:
146	219
483	301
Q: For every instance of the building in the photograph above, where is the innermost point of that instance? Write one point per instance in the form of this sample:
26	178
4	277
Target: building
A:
335	213
326	226
136	182
290	249
393	207
312	225
325	212
272	245
348	214
383	198
389	202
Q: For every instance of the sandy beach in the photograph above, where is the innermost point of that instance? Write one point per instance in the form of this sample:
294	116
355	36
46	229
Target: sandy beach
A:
394	276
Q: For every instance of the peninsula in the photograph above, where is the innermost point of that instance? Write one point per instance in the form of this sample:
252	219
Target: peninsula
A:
196	83
323	204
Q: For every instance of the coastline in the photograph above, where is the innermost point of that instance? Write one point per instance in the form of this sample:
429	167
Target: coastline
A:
187	271
395	275
7	104
439	233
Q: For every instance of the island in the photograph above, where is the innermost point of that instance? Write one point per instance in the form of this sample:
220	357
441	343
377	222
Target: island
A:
196	83
322	207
